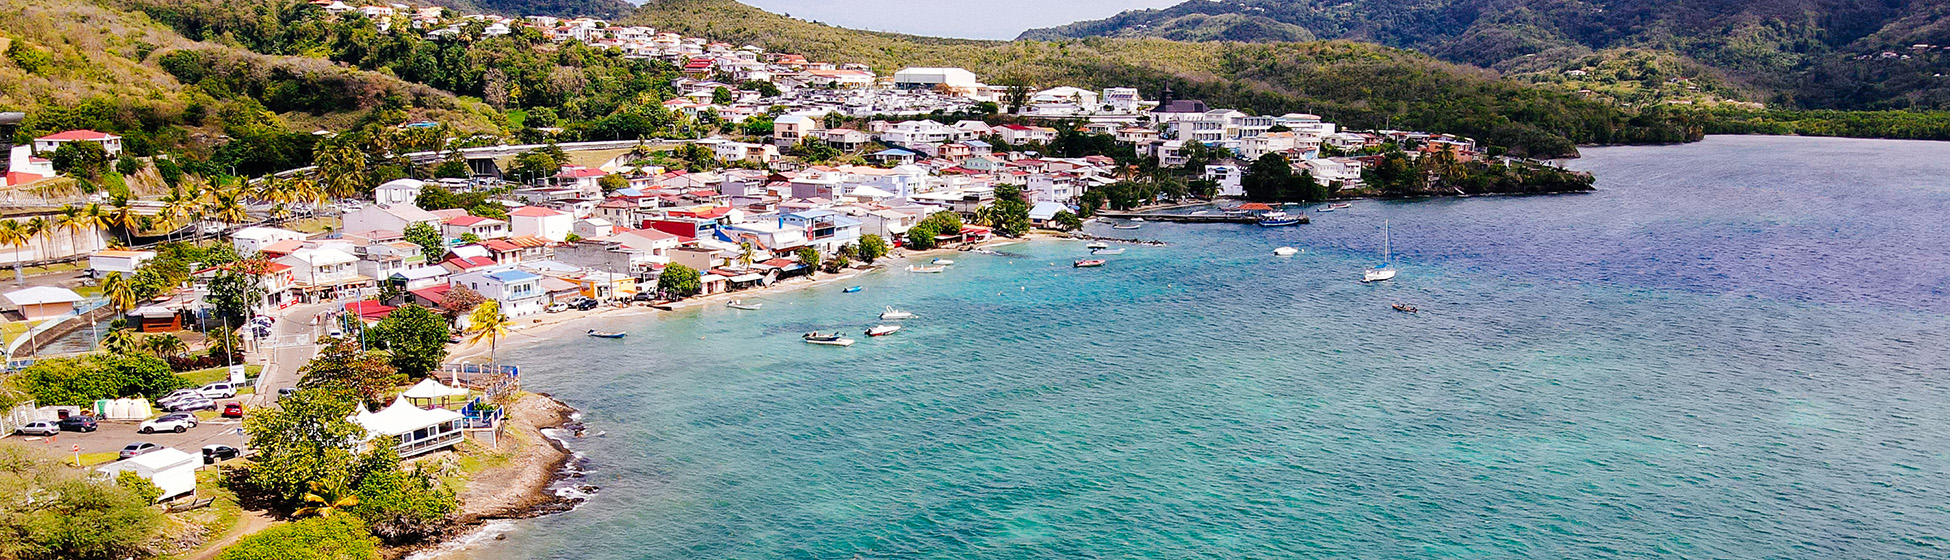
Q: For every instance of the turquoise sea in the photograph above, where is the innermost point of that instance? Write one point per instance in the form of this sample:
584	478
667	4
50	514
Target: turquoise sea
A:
1735	349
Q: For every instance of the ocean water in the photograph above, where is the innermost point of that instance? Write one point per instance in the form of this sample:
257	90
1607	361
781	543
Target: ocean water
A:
1735	349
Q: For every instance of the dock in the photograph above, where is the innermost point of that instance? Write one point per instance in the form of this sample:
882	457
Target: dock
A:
1192	218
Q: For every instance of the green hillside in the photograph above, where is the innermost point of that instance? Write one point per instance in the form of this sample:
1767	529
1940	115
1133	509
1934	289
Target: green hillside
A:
1360	85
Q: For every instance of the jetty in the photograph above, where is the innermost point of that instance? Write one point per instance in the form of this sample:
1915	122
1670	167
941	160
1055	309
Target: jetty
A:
1191	218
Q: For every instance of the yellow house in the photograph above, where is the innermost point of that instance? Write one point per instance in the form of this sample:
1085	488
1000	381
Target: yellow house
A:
606	286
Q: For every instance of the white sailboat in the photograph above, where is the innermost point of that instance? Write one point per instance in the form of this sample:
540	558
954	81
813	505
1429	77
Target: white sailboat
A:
1387	270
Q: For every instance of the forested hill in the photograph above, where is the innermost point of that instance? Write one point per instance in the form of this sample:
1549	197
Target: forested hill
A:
1805	53
1358	85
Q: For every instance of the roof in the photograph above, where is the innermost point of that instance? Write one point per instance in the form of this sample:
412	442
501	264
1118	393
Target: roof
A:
261	232
285	246
579	173
435	294
39	295
534	211
511	276
1046	210
370	309
421	272
430	389
465	263
895	152
466	221
400	418
83	134
125	254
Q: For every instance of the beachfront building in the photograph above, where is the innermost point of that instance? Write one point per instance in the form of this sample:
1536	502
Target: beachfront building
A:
519	292
418	430
826	230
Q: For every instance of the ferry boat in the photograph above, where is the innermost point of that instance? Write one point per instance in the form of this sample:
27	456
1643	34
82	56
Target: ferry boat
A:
605	334
892	314
1286	251
1279	219
936	269
1117	251
740	304
1087	263
883	330
834	339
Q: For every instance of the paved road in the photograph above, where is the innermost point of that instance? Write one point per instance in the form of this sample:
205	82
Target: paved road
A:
281	369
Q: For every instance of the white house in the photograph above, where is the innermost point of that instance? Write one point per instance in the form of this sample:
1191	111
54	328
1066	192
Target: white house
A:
43	302
169	469
398	191
418	430
519	292
321	270
388	217
125	262
250	240
383	260
484	228
956	79
1228	177
536	221
46	145
918	132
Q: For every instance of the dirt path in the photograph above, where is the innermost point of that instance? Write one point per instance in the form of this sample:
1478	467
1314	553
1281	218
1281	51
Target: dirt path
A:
247	523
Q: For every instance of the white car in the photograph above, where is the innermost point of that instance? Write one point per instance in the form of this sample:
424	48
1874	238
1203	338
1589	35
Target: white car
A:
218	390
166	424
556	307
190	405
39	428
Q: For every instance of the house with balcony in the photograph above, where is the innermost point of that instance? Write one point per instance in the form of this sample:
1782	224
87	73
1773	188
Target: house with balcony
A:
520	292
789	130
383	260
918	132
320	273
481	228
826	230
250	240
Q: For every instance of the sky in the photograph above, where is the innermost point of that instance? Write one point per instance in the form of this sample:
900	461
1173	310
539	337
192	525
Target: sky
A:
971	19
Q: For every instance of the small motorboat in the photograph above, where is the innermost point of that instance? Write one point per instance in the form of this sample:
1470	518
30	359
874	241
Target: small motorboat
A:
1126	226
1285	252
1097	245
834	339
1137	219
1340	206
741	304
1087	263
935	269
1405	308
883	330
1327	208
942	262
893	314
606	334
851	289
1278	219
1117	251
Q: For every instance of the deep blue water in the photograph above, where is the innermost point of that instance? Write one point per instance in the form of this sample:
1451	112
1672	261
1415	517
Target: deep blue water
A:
1735	349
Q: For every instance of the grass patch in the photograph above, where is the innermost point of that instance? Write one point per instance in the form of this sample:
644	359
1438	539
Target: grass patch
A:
92	459
206	376
211	522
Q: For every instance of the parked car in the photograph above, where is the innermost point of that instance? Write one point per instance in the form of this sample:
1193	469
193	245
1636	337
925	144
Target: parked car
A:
583	303
185	416
556	307
286	392
191	405
179	394
233	410
79	424
218	390
212	454
171	423
643	296
39	428
139	448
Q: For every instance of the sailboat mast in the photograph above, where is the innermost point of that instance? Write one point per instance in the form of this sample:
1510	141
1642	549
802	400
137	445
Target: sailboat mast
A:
1387	254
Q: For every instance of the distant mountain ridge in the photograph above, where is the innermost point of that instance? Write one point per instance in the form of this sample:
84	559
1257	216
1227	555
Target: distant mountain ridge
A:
1797	52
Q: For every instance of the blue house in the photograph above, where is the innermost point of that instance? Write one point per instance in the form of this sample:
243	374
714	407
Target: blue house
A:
825	229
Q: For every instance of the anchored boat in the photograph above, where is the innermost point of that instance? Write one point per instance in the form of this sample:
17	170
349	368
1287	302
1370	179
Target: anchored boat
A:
834	339
740	304
934	269
606	334
892	314
883	330
1117	251
1088	263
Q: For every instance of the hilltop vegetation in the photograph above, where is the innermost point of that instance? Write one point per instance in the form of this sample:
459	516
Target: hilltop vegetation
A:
1801	53
1358	85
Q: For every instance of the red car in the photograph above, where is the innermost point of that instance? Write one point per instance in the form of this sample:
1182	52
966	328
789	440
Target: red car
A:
233	410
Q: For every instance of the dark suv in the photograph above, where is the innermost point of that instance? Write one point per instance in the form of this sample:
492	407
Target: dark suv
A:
583	304
78	424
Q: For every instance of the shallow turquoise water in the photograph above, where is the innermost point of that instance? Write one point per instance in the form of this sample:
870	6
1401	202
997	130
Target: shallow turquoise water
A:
1737	349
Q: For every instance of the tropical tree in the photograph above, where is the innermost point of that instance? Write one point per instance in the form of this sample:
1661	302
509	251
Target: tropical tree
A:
122	340
164	345
38	227
489	324
120	291
872	246
1067	220
679	280
324	500
227	206
416	338
745	252
13	236
810	257
71	219
122	214
95	217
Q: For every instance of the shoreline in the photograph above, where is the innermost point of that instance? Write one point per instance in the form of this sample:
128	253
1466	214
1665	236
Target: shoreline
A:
537	482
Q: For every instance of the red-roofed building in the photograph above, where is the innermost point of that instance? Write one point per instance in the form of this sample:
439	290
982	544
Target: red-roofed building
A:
430	296
461	264
483	228
369	310
109	142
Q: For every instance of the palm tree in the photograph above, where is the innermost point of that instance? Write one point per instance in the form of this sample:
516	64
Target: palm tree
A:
164	345
38	226
14	236
95	217
124	217
487	323
71	219
745	253
176	207
227	206
119	291
121	341
324	501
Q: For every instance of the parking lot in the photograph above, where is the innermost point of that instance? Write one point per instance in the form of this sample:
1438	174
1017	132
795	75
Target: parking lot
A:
112	436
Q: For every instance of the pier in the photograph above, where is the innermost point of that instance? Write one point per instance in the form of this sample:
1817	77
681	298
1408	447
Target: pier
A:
1192	218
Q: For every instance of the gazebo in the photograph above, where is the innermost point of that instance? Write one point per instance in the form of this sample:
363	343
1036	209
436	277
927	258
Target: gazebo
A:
433	394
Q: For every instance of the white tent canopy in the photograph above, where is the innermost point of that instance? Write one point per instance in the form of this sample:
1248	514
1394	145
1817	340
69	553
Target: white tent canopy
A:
430	389
402	418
